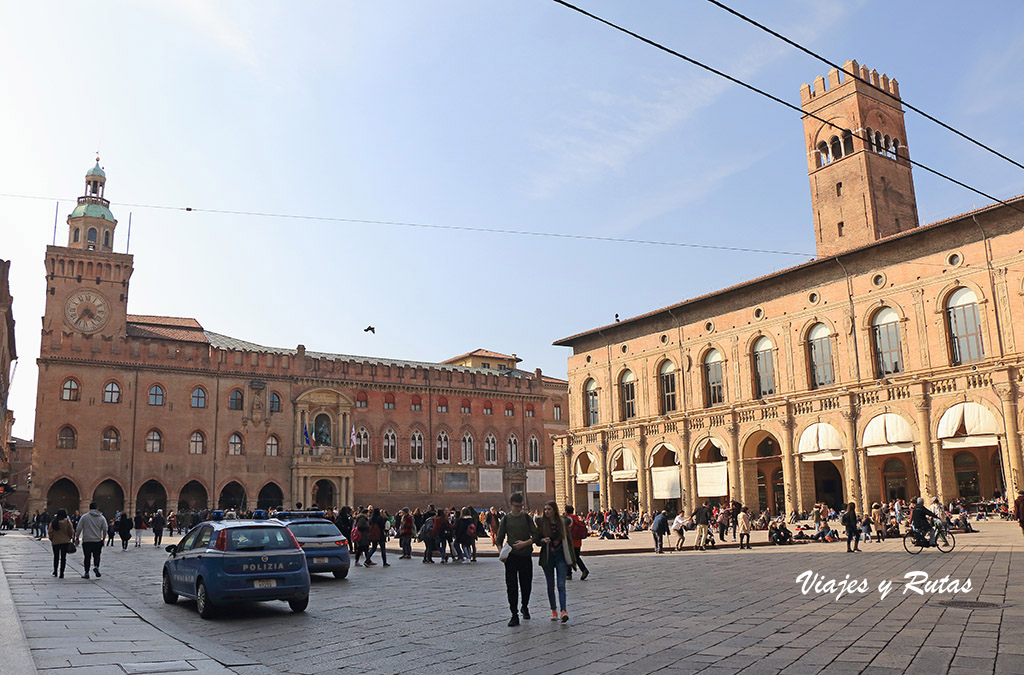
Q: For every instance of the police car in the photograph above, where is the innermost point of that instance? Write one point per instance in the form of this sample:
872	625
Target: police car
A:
325	546
224	561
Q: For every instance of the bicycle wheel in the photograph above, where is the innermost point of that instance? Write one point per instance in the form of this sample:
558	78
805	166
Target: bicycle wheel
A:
910	544
945	542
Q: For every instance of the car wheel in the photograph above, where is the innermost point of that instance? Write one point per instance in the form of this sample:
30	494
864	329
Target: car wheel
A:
170	597
340	574
203	604
300	604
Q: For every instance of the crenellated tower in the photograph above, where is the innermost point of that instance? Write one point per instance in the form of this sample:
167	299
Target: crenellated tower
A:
858	162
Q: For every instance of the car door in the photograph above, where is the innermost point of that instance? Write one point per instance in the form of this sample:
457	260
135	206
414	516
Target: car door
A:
175	564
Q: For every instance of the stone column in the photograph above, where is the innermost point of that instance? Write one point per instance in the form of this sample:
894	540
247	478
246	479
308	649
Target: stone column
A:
735	486
789	478
689	488
850	471
1012	449
925	467
604	479
643	475
172	505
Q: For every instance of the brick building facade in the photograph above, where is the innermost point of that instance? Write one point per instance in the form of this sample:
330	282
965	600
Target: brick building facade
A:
8	354
145	412
887	367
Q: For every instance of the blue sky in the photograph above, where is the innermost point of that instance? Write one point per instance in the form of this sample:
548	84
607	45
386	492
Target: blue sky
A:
514	115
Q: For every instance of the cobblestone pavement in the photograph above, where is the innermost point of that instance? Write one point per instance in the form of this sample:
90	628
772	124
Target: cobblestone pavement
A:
723	612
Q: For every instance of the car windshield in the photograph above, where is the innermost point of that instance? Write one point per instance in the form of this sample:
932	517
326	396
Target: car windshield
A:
258	539
324	529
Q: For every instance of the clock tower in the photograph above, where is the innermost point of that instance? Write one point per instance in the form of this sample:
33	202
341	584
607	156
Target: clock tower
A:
87	283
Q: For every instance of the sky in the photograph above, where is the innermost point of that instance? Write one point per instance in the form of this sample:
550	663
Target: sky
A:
480	114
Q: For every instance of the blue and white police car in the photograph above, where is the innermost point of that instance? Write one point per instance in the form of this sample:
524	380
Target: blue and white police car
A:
325	546
224	561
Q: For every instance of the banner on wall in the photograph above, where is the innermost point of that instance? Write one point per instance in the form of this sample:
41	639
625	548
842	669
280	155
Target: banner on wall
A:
665	482
713	479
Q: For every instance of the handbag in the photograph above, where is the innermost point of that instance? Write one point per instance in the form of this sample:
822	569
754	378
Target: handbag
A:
72	548
506	551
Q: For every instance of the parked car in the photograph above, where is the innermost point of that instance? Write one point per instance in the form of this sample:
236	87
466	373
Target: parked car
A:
326	548
220	562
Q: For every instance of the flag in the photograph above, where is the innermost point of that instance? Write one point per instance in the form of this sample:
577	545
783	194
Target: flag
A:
305	435
352	437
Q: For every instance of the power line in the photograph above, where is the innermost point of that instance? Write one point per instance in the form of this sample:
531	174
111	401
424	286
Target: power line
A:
826	61
451	228
772	97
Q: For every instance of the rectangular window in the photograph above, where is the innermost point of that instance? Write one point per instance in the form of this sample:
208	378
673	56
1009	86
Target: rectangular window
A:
592	415
888	358
558	412
389	405
488	411
822	373
965	329
839	189
764	373
628	400
714	385
465	410
840	228
509	412
442	408
668	393
416	406
362	404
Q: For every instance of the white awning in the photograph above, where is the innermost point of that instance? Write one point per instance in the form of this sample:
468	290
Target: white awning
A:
957	442
890	449
713	479
622	476
665	482
974	417
887	429
821	455
818	437
582	478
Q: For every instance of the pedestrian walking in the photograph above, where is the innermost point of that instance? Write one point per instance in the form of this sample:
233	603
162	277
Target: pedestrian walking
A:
344	522
852	525
465	533
124	529
878	520
724	518
743	526
157	523
406	529
556	555
44	524
659	528
361	536
521	533
139	524
578	531
61	535
679	527
111	531
703	517
378	536
90	533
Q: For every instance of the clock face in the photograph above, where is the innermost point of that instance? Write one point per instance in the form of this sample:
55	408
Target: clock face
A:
87	311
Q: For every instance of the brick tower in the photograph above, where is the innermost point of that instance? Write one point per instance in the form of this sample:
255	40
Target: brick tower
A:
861	186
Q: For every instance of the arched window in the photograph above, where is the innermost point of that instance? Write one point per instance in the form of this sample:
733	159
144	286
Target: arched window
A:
870	136
154	441
879	145
528	410
895	148
417	403
590	416
627	392
69	391
823	155
235	400
106	239
467	407
273	446
442	404
362	447
836	146
197	443
888	146
389	401
764	368
964	321
510	410
467	448
67	439
488	408
90	237
362	400
275	402
235	444
490	449
667	381
111	440
416	447
198	397
534	456
444	453
847	142
77	236
819	351
112	393
390	446
156	395
714	383
885	326
513	448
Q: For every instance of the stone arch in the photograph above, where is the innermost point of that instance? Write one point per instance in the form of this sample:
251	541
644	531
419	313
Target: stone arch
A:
811	322
270	496
820	436
232	495
109	496
151	496
325	493
751	443
878	305
193	495
664	454
700	450
63	494
943	295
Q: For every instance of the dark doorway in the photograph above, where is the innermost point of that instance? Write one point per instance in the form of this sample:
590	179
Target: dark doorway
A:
193	497
232	497
63	495
323	494
828	485
109	498
152	496
270	497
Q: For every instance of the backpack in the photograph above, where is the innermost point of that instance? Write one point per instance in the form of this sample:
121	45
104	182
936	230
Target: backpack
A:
471	530
356	536
426	530
578	530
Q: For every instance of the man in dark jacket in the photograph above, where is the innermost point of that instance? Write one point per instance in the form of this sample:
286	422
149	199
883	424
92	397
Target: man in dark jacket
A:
158	522
921	520
702	516
659	528
1018	508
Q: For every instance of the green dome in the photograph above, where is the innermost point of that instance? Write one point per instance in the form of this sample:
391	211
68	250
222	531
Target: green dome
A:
96	170
92	211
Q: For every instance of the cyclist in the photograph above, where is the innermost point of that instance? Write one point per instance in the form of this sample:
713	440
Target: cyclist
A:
921	521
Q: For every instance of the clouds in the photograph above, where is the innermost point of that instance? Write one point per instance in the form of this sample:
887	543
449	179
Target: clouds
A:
212	21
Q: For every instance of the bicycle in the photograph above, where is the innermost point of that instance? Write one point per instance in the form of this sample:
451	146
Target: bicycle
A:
914	541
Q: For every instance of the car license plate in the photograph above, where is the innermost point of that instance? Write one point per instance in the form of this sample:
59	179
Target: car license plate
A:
320	561
264	583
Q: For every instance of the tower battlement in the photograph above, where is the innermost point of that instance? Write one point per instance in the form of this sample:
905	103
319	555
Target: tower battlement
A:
838	78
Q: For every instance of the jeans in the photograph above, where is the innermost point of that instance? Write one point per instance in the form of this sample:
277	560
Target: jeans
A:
110	538
92	549
428	550
406	544
852	536
519	574
658	541
138	537
552	571
579	562
383	551
723	528
60	554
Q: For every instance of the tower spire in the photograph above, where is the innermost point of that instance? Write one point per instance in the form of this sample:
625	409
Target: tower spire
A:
91	224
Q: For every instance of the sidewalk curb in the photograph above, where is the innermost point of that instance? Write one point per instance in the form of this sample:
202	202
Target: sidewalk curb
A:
17	658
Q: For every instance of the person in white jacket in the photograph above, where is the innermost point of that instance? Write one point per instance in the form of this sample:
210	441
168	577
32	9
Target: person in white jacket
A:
92	530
